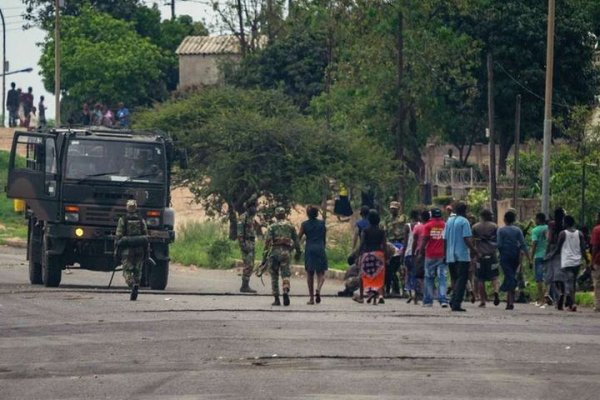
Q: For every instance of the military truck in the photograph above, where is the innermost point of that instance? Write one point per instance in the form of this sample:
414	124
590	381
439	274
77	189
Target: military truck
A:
76	183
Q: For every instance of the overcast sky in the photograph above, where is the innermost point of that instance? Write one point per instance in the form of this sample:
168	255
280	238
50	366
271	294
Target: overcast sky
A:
22	50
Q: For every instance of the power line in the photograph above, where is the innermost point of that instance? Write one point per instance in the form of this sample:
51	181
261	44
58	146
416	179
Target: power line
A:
531	92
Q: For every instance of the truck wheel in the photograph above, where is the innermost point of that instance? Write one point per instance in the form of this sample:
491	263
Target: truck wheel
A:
35	266
51	268
159	275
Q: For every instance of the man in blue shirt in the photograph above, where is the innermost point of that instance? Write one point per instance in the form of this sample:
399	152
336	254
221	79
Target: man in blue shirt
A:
123	116
458	242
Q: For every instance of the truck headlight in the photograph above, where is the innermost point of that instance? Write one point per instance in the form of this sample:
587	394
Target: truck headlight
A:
153	221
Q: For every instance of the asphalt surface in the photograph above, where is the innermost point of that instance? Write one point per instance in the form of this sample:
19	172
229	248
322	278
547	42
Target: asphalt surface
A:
200	340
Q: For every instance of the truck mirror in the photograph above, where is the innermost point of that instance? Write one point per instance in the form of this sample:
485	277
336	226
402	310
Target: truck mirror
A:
183	158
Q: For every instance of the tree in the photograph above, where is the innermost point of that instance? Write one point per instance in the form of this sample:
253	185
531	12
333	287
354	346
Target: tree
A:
515	32
295	62
247	142
146	21
104	59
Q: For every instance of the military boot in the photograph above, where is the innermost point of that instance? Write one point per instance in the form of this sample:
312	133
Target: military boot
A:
276	302
246	288
134	293
286	298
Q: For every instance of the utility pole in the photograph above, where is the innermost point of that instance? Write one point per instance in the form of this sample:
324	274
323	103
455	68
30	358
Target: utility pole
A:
3	68
517	146
493	196
548	109
242	33
57	5
173	10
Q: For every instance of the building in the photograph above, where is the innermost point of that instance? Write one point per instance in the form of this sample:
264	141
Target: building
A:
200	59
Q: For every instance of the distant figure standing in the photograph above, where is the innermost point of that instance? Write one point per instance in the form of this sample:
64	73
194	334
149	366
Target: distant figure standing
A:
108	118
372	261
86	115
246	236
12	105
572	255
97	115
42	112
28	104
34	122
596	262
484	235
123	115
539	243
432	246
315	258
511	246
360	225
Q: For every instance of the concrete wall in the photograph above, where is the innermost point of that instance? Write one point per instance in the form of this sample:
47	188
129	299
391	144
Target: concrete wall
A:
202	70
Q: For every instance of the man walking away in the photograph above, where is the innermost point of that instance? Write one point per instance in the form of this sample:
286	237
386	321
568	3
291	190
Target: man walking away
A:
12	105
132	238
596	262
511	246
433	248
246	236
281	239
539	244
458	242
572	254
487	269
123	115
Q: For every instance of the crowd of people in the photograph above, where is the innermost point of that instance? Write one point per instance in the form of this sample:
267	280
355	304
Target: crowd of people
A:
102	115
429	247
432	257
21	110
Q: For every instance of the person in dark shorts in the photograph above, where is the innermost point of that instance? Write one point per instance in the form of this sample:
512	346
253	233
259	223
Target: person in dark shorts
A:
511	246
315	258
487	269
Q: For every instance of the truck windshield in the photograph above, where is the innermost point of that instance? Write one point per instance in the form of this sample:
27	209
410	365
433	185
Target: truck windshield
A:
115	161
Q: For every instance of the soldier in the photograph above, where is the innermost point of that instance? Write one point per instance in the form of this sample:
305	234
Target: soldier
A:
132	239
394	229
246	235
281	239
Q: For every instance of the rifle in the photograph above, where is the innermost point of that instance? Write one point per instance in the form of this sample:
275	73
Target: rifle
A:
261	268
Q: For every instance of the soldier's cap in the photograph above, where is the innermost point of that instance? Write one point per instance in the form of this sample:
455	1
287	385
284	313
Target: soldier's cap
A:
395	205
131	205
280	211
436	213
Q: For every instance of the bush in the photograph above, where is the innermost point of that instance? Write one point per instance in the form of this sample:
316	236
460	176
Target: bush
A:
442	201
204	244
219	253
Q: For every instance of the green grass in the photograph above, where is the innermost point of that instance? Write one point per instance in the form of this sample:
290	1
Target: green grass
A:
13	225
206	245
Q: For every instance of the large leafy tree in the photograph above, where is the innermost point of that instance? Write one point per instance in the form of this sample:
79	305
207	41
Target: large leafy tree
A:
246	142
144	20
104	59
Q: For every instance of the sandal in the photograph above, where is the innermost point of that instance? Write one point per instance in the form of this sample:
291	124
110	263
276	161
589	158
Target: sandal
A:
358	299
310	302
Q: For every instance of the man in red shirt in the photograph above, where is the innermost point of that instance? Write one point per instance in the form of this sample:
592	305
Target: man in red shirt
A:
596	262
433	249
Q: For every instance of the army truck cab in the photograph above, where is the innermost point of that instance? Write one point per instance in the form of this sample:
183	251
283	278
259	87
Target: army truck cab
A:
76	183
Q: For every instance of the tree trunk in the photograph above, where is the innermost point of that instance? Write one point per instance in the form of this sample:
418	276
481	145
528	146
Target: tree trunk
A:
400	111
243	42
505	146
232	216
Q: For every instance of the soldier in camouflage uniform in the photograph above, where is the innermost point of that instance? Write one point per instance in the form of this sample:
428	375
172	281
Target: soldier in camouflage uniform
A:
394	225
132	239
280	240
246	236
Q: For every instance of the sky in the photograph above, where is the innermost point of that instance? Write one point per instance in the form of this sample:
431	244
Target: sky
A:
22	50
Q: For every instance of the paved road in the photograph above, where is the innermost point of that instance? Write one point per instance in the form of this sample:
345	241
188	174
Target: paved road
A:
192	342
